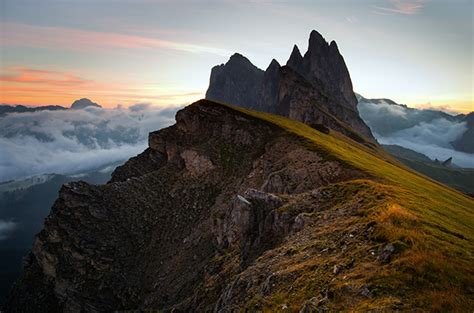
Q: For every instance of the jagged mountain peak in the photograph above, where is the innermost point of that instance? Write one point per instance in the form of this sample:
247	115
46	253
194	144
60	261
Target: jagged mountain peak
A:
237	57
324	95
316	39
295	58
273	65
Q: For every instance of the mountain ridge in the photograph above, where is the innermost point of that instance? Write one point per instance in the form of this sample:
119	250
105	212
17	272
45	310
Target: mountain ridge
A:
229	205
19	108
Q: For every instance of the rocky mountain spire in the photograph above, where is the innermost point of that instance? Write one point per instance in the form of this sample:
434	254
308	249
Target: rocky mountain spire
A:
295	58
269	89
323	65
315	88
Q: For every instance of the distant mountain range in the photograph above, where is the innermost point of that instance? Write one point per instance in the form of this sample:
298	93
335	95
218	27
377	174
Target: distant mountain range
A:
18	108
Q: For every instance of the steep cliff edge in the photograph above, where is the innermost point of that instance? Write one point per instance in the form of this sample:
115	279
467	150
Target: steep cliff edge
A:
231	209
315	88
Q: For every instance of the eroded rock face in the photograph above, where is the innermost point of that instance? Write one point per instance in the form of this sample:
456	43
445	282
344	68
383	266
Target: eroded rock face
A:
177	224
315	88
238	81
195	163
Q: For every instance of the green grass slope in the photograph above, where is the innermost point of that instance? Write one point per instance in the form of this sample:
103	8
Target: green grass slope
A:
431	224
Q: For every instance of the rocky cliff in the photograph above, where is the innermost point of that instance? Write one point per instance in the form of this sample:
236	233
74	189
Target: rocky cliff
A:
315	88
229	211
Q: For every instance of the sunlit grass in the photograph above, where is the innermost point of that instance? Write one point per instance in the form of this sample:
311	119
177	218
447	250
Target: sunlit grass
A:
434	223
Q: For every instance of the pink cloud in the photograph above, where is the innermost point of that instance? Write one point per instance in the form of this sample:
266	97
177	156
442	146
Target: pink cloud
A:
38	86
407	7
34	76
15	34
443	107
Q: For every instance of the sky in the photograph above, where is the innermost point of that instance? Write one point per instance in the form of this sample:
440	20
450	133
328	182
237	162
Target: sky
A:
416	52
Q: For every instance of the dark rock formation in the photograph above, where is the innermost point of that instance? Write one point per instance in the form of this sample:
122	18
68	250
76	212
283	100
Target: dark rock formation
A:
180	225
314	89
295	59
325	68
238	81
83	103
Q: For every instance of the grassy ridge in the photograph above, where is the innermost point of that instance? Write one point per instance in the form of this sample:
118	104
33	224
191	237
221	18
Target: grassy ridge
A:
434	222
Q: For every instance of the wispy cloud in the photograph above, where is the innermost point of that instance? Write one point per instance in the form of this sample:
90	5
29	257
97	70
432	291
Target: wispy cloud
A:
5	228
352	19
34	76
443	107
16	34
407	7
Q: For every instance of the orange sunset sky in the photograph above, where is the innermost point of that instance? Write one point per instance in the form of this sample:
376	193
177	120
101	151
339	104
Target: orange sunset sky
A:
416	52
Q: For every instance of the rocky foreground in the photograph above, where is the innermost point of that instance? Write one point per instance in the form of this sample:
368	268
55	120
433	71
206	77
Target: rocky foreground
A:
227	212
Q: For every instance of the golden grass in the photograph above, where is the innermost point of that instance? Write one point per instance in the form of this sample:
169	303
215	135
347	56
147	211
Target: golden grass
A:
434	221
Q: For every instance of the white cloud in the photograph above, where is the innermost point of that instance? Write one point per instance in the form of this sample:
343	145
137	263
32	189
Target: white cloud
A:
5	228
425	131
439	132
71	141
384	108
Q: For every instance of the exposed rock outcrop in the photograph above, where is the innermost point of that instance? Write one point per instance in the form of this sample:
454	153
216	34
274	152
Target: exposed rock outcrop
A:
314	89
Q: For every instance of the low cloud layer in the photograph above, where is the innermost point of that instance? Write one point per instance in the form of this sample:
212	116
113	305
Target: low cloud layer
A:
5	228
425	131
73	141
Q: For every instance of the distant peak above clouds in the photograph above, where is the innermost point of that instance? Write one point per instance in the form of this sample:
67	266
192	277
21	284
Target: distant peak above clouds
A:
84	103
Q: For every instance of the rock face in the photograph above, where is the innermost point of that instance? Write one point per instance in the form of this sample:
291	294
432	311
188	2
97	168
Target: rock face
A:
182	225
315	88
238	81
83	103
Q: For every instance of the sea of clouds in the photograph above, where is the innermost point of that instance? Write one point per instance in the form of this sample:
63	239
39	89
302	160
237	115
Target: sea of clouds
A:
75	141
425	131
5	228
